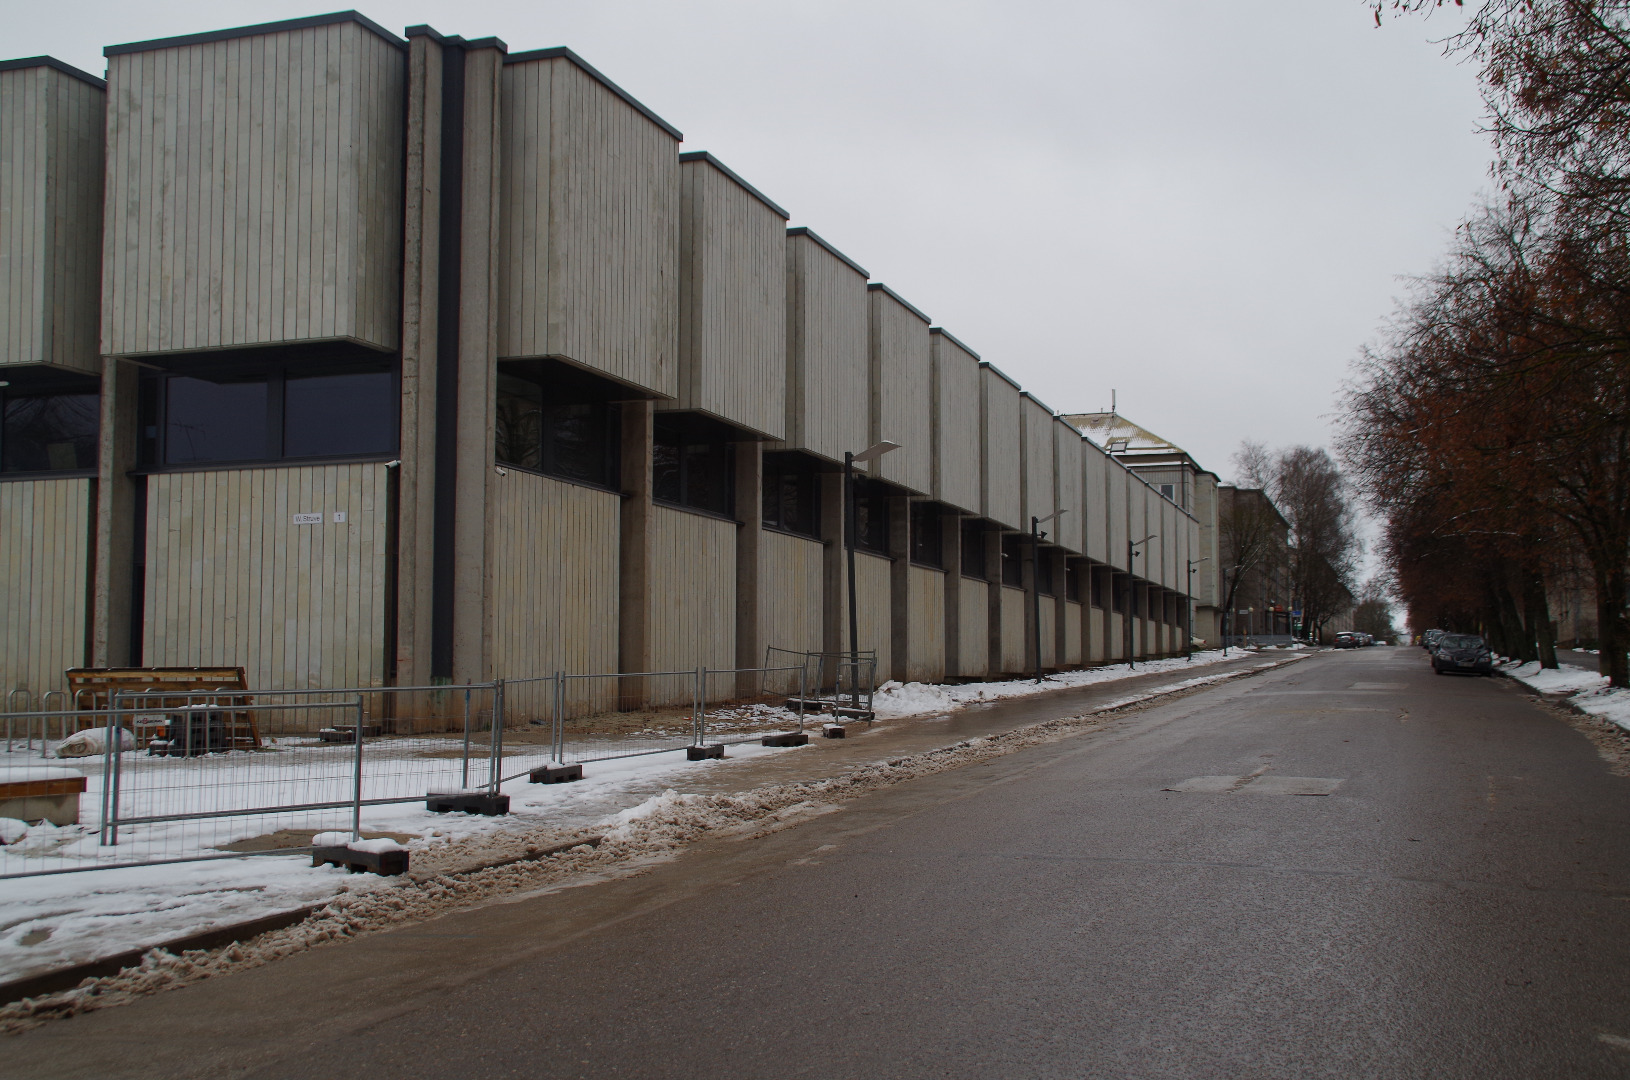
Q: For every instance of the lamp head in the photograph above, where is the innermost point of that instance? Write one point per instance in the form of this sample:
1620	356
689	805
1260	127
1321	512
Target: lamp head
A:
876	450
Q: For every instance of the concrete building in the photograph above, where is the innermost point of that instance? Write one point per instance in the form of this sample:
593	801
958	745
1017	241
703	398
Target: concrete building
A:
1172	472
358	359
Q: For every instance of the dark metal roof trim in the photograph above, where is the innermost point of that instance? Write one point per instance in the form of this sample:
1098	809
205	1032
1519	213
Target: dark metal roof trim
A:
255	31
1038	401
53	62
703	155
948	336
878	286
805	230
561	52
456	40
999	373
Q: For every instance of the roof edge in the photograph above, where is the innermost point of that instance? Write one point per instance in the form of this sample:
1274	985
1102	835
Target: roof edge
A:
878	286
561	52
703	156
999	373
53	62
256	30
952	338
805	230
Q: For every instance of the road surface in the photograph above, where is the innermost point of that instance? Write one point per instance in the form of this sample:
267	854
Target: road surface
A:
1455	904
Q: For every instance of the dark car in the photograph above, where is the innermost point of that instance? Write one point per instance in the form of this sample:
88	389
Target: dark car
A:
1430	639
1346	640
1465	653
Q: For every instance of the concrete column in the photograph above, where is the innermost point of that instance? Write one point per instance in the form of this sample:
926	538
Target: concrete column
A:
477	367
951	546
421	283
1061	609
113	586
899	590
634	587
993	576
749	510
1032	646
834	613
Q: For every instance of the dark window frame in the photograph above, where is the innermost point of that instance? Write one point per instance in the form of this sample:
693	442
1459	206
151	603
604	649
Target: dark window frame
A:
871	509
927	523
779	468
973	562
1015	549
272	367
1045	585
85	444
595	399
691	445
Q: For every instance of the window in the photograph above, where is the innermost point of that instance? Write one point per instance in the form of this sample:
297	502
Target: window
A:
49	427
1044	573
1073	571
792	494
973	549
1117	592
1099	583
555	420
1169	490
927	540
691	465
1014	551
871	524
325	401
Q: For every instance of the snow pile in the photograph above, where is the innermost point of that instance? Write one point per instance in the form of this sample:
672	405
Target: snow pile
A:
12	830
24	774
1585	690
93	741
377	845
895	700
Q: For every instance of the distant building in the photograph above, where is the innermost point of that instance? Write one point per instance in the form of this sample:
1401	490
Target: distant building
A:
1173	472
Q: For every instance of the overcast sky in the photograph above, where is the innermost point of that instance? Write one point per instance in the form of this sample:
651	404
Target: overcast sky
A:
1206	206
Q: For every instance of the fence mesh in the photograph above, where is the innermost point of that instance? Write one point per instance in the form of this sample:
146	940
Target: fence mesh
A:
165	776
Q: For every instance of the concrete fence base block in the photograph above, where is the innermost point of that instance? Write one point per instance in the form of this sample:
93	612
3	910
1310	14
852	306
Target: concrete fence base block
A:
834	731
702	753
786	738
468	802
855	714
348	733
384	863
557	774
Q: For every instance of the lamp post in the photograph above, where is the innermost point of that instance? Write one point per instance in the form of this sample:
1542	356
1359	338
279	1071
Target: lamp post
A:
850	460
1188	629
1035	578
1132	552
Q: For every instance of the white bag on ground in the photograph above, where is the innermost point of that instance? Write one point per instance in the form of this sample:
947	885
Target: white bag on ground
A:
93	741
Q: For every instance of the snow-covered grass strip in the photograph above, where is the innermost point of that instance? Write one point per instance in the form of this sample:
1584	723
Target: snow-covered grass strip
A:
1585	690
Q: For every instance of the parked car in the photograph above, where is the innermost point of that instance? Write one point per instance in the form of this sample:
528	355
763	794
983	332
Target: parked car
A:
1346	640
1466	653
1429	639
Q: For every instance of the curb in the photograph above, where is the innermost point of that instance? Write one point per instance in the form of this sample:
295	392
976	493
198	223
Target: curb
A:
66	978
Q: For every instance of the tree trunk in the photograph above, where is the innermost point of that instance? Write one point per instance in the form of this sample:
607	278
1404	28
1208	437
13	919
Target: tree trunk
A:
1536	608
1520	642
1613	633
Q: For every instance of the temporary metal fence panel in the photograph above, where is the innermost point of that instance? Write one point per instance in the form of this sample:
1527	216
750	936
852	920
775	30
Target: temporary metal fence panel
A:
183	783
743	704
601	717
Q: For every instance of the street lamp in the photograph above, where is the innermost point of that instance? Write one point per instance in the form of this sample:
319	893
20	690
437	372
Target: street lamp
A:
1188	630
1035	578
1132	552
850	460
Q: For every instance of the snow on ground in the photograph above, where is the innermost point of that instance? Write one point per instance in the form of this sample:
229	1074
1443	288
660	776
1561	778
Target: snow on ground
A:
894	700
1582	688
50	921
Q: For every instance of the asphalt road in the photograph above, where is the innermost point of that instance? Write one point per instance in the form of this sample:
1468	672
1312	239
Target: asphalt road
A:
1458	905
